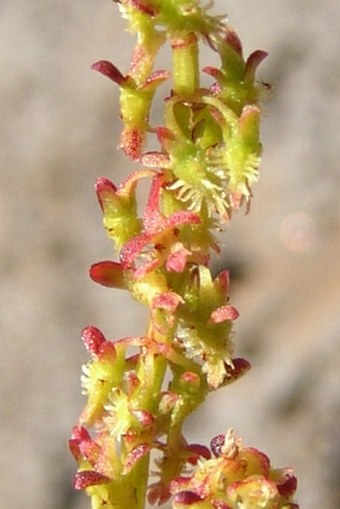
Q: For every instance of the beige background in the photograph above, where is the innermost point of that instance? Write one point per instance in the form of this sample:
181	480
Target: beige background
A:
58	132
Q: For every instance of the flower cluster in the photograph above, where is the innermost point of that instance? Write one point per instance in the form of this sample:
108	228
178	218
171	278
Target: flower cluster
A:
140	389
236	478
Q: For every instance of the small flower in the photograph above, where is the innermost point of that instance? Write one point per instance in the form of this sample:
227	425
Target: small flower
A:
212	152
79	435
122	419
235	80
136	96
152	247
173	461
163	310
118	418
205	325
119	207
99	375
237	478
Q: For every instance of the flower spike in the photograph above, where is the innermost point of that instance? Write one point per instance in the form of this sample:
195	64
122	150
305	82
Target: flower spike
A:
140	389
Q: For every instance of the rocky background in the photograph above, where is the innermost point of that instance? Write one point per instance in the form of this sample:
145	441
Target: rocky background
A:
58	133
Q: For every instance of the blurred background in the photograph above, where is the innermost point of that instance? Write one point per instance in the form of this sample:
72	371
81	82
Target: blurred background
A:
58	133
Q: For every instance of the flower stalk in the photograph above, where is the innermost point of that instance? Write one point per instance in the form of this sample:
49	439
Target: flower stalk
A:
141	389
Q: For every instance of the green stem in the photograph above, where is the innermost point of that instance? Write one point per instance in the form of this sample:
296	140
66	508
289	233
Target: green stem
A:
185	65
139	480
151	370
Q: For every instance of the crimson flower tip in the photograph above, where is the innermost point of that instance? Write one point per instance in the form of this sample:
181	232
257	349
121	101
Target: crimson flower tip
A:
109	70
86	478
92	338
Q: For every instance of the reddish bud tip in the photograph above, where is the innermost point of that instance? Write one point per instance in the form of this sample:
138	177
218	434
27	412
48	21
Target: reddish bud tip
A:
240	367
92	338
233	40
80	433
216	445
288	484
104	187
79	437
186	498
223	281
109	70
88	478
108	273
253	62
199	451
